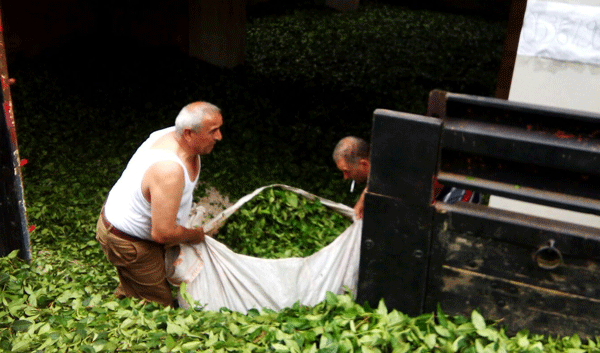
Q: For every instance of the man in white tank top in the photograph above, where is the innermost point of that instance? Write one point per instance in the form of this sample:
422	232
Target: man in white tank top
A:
149	205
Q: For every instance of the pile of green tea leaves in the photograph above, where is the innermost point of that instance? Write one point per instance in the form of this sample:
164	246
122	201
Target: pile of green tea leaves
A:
279	223
72	316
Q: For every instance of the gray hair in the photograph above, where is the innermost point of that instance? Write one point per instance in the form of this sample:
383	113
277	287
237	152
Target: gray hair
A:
192	116
352	149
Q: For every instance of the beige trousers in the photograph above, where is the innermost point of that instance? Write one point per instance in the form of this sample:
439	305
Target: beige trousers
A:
140	265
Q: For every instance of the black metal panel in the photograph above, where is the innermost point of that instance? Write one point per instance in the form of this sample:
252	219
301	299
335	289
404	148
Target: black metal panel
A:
394	253
494	261
520	145
398	210
570	183
404	150
526	152
516	191
531	117
529	272
515	228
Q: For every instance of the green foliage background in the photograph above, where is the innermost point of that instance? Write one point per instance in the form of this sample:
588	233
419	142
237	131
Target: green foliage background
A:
311	76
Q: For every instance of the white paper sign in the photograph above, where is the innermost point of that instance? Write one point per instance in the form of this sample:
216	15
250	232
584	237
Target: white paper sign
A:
560	31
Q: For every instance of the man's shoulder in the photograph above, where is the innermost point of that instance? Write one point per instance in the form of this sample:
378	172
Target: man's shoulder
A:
160	132
165	173
166	167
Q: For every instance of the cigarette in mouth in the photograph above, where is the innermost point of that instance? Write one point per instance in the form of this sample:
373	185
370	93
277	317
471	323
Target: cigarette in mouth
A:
352	186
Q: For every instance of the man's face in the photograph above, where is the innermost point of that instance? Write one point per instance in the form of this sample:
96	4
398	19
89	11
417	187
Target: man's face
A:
206	138
358	172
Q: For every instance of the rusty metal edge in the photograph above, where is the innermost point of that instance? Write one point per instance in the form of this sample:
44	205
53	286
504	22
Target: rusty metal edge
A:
16	160
436	105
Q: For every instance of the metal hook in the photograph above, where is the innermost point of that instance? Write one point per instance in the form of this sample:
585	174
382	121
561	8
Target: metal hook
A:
548	257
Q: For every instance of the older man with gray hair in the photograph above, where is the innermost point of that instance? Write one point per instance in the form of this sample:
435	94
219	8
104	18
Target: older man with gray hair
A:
352	157
149	205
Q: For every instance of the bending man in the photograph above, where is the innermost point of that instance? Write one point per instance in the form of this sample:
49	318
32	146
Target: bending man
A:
351	155
149	205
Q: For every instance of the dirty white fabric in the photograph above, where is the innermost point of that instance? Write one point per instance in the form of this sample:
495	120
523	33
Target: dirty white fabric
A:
218	277
561	31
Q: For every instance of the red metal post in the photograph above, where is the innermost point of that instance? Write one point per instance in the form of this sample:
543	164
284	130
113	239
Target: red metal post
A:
14	232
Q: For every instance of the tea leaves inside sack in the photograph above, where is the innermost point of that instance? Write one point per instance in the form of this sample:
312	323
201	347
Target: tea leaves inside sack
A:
279	223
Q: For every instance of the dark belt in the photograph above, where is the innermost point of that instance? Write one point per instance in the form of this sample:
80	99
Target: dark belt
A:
116	232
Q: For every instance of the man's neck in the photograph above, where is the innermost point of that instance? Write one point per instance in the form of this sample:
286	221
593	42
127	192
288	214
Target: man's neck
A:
184	151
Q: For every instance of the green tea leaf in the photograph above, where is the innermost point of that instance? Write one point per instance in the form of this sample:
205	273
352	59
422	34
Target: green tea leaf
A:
21	345
21	325
430	340
442	331
292	200
477	320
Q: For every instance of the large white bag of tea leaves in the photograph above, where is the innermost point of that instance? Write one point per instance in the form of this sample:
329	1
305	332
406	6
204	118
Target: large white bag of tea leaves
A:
217	277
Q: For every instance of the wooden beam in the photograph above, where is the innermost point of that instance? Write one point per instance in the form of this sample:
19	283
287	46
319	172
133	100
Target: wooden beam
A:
511	43
342	5
218	31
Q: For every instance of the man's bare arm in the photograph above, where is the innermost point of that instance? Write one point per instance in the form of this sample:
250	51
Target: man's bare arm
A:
359	208
164	183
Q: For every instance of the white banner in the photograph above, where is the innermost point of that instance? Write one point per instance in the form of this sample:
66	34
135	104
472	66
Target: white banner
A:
560	31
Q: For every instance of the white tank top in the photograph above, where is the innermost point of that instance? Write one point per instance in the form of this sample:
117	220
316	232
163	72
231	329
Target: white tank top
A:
126	208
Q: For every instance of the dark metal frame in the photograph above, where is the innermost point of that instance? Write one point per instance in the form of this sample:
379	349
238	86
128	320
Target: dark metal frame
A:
530	272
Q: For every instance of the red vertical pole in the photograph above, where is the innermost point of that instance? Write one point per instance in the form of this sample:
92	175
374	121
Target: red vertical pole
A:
14	233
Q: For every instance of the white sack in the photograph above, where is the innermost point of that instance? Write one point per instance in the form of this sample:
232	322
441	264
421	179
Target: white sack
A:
218	277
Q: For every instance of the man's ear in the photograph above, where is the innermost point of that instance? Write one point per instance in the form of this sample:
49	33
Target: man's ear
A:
364	163
187	133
